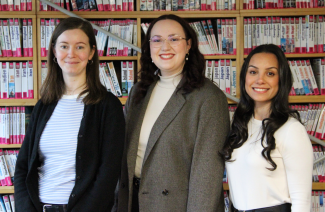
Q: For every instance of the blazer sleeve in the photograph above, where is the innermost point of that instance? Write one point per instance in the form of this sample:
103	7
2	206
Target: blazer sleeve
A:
100	196
23	201
205	186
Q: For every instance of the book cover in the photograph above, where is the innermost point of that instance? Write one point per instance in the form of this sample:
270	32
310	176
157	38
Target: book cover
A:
11	80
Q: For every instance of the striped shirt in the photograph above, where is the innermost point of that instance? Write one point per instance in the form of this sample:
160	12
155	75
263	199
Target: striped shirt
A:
57	151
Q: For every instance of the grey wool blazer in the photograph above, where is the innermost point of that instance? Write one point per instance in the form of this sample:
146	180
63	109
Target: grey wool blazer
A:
181	170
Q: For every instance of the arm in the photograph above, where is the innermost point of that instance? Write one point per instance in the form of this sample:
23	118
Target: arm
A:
100	194
23	201
205	186
298	161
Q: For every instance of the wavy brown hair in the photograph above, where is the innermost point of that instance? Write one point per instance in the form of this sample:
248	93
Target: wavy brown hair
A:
193	71
54	86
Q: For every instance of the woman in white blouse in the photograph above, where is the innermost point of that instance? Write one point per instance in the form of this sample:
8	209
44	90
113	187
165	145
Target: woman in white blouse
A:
268	154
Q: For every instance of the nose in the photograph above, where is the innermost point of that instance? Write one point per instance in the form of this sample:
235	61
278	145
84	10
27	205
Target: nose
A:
260	79
165	45
71	52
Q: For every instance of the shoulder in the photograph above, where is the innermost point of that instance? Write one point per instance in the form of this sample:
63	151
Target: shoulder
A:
292	124
209	92
110	100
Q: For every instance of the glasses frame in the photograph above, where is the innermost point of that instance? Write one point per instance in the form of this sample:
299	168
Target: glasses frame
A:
166	39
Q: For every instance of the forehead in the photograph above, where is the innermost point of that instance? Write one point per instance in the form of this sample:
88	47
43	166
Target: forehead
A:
73	36
167	27
264	60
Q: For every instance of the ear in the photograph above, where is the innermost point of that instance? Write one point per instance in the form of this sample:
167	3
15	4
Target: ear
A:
189	44
92	52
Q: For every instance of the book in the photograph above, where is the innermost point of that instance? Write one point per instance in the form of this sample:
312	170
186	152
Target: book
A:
30	83
124	75
130	75
11	80
30	37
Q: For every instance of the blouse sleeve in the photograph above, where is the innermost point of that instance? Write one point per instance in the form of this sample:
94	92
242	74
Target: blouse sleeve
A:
297	155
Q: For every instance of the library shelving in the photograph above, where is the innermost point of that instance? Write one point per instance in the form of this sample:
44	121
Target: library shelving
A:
142	16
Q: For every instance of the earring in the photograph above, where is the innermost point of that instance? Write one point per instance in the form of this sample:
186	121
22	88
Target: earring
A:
156	72
54	60
152	61
91	62
186	57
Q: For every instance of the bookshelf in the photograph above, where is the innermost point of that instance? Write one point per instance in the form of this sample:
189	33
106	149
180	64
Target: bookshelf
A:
143	16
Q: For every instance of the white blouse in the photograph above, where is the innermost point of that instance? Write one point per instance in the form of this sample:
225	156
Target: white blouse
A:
253	186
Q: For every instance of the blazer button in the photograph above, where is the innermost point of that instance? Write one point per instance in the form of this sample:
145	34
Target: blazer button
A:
165	192
73	195
123	185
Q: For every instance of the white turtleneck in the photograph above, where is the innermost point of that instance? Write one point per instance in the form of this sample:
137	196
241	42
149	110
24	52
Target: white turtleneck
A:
161	93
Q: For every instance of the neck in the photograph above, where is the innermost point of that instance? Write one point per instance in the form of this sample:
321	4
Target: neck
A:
262	111
74	86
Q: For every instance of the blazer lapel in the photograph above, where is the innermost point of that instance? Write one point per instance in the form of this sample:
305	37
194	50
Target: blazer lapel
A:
172	108
135	123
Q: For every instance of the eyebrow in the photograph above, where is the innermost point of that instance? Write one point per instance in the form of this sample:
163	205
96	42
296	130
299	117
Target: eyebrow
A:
168	35
266	69
76	43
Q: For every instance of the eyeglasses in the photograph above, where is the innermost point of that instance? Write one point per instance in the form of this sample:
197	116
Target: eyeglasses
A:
173	40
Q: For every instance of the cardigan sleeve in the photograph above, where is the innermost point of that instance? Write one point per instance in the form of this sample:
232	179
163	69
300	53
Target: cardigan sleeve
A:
207	167
23	201
297	156
100	195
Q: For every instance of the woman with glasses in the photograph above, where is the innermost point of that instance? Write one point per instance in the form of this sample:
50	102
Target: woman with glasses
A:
177	122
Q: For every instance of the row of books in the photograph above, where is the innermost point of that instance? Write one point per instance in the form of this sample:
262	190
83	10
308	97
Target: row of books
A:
292	34
106	46
109	78
319	168
312	116
317	201
187	5
13	124
16	37
223	73
17	80
90	5
307	79
125	29
216	36
8	160
7	203
227	201
15	5
280	4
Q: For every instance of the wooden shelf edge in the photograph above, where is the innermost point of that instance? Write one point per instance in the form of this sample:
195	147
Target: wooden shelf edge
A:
15	58
225	186
8	146
226	56
282	12
7	190
318	186
110	58
18	102
307	99
123	100
308	55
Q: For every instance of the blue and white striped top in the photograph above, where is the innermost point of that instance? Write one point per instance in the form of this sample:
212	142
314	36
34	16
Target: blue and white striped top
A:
57	151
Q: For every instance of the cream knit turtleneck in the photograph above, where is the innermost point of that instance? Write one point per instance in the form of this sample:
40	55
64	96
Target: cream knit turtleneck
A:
161	93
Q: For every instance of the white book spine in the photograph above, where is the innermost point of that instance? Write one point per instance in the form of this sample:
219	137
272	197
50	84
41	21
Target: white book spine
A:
7	39
130	75
18	123
22	124
233	78
30	84
4	80
216	73
12	36
227	76
24	88
222	75
30	38
208	69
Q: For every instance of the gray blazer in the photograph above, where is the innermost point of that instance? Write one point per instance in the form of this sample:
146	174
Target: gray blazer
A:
181	155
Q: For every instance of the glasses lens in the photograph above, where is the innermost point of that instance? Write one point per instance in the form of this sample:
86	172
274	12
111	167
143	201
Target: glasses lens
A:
174	40
156	41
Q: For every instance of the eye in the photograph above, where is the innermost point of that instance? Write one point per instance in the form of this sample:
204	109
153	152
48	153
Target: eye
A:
174	39
252	72
63	46
271	74
80	47
156	39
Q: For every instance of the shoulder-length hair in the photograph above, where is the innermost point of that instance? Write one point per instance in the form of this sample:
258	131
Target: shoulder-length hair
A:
54	86
193	71
279	111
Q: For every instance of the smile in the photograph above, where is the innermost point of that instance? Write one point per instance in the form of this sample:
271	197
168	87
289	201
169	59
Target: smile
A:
166	56
260	89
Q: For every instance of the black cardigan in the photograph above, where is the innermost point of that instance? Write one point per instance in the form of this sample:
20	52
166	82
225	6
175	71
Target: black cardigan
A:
98	158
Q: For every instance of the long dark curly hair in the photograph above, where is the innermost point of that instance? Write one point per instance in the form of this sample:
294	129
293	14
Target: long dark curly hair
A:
279	111
193	70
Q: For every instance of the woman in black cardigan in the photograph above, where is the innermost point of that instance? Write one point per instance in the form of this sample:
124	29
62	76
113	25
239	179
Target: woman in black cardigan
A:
86	182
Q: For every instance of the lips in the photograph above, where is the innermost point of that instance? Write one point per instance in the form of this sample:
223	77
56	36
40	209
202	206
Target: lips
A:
166	56
260	89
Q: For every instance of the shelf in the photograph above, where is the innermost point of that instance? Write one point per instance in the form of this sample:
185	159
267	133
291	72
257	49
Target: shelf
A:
307	99
308	55
7	190
17	14
8	146
141	14
225	186
318	186
15	58
221	56
110	58
18	102
282	12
